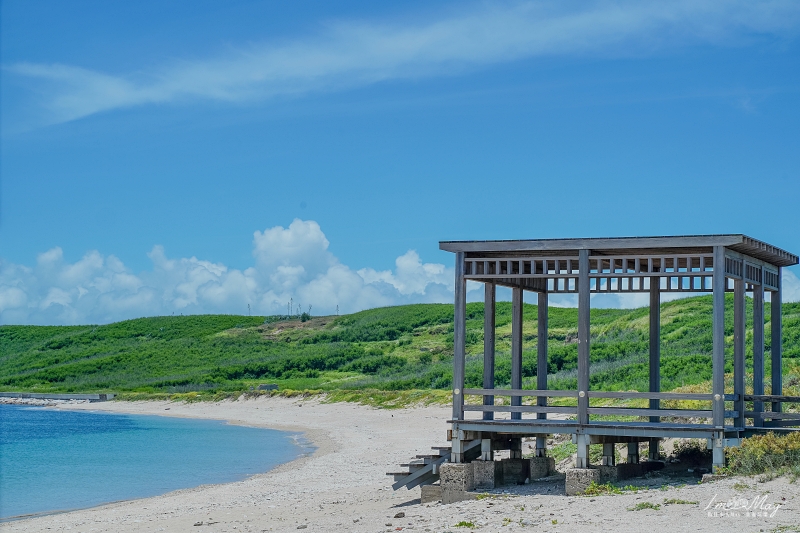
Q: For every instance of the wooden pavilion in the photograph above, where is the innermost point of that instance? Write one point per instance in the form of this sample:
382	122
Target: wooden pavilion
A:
654	265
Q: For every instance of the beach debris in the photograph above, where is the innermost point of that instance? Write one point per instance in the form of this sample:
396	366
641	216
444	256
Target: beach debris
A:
401	514
200	523
302	526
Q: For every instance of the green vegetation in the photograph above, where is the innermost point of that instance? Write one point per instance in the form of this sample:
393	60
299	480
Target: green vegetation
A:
766	454
645	505
676	501
692	451
391	357
464	523
600	489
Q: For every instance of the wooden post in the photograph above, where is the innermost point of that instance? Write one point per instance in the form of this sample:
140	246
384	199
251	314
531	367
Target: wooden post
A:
584	303
739	331
718	355
516	347
655	357
776	343
633	453
582	457
459	338
609	457
541	366
489	306
758	349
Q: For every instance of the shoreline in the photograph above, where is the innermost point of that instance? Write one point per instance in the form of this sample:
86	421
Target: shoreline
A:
305	441
341	485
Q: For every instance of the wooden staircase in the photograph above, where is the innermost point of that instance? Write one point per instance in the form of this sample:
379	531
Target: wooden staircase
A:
424	469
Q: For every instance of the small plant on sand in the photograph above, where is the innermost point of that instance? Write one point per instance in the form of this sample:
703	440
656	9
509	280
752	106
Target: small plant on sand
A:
676	501
645	505
740	485
597	489
554	521
464	523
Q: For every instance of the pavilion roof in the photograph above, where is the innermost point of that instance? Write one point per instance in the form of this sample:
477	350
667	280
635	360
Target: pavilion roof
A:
646	246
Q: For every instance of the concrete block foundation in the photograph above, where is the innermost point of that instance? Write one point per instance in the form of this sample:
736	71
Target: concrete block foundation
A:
430	493
541	467
579	479
515	470
455	496
487	474
457	476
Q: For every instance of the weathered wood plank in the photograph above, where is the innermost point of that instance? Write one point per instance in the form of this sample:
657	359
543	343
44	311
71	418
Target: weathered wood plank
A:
739	338
459	337
620	243
654	395
758	348
541	352
584	304
522	409
489	308
776	347
524	392
770	398
773	415
635	411
516	346
718	336
655	343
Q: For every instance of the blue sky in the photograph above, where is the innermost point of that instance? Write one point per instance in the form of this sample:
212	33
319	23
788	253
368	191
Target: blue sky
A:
193	157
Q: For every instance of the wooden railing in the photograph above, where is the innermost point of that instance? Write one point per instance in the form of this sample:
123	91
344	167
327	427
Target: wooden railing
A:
489	395
775	417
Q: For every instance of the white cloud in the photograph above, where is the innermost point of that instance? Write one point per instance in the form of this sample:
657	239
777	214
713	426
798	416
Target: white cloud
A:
358	53
790	291
290	264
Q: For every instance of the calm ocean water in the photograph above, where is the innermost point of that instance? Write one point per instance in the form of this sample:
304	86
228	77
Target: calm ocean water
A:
58	460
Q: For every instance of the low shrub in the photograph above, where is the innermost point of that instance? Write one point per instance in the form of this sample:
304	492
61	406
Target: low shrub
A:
762	454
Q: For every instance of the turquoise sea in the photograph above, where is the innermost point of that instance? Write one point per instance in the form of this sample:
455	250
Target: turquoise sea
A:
60	460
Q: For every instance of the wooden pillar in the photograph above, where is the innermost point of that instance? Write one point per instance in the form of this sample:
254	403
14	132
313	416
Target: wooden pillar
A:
776	343
459	338
609	457
541	366
633	453
758	350
655	342
516	347
739	331
655	357
718	355
489	306
582	457
583	336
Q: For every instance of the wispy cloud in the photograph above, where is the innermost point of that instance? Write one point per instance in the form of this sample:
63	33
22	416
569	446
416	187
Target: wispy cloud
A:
357	53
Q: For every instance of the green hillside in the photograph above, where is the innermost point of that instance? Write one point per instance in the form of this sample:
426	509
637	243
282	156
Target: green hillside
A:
394	348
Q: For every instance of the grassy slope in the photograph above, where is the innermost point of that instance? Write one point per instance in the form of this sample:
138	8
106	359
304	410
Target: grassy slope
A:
396	348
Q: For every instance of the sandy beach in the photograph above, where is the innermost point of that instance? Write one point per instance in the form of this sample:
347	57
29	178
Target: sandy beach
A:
342	487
